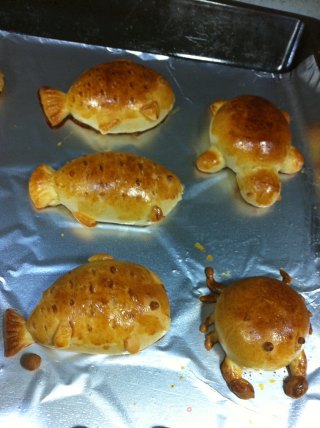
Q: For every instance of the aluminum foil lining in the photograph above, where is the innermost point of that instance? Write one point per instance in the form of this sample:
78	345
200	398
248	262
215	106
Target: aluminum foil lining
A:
176	382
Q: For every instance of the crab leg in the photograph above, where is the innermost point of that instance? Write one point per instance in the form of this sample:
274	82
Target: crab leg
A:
232	374
296	385
209	321
211	340
286	278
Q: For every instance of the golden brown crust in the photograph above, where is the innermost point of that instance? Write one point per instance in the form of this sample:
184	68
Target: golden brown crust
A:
261	323
115	97
252	137
252	129
104	306
110	187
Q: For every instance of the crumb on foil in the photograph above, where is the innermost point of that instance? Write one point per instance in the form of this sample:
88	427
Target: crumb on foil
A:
199	247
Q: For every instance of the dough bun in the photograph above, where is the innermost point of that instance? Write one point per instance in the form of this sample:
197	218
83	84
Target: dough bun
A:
116	97
251	136
261	323
104	306
113	187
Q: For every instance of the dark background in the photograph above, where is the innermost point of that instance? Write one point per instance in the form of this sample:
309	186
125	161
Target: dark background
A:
232	33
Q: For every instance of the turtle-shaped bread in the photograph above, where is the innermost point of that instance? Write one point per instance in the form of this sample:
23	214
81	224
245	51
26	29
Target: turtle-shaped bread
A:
261	323
252	137
113	187
102	307
119	96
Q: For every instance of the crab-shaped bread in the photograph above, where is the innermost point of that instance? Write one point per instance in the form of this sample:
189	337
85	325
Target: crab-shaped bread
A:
252	137
261	323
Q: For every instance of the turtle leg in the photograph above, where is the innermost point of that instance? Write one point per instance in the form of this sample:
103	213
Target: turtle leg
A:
215	106
210	161
259	187
293	161
296	385
232	374
286	115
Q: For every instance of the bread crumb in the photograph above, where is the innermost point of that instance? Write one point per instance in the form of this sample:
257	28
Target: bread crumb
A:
209	258
261	386
199	247
30	361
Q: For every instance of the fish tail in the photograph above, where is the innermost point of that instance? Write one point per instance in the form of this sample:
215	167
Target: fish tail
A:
42	187
16	335
54	105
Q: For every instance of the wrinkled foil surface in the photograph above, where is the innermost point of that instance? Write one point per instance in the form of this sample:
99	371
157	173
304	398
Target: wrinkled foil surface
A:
176	382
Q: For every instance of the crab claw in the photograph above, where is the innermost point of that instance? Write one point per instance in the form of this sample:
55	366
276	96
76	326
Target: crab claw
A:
232	374
296	385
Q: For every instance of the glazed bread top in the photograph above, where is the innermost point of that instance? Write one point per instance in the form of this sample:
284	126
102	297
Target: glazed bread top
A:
261	322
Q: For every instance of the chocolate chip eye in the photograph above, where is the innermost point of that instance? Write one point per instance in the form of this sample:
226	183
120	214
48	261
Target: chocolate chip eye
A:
154	305
301	340
267	346
113	269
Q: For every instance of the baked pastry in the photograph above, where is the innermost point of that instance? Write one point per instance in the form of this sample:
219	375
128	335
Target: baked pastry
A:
249	135
116	97
104	306
261	323
110	187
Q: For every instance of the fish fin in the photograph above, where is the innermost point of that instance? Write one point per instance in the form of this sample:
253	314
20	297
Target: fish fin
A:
16	335
42	187
63	335
84	219
101	256
54	105
151	110
132	344
105	127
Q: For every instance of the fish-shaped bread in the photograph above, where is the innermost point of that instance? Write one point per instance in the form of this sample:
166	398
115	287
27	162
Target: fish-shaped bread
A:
119	96
252	137
113	187
104	306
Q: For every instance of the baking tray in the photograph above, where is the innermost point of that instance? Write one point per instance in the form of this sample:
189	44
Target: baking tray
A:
176	382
